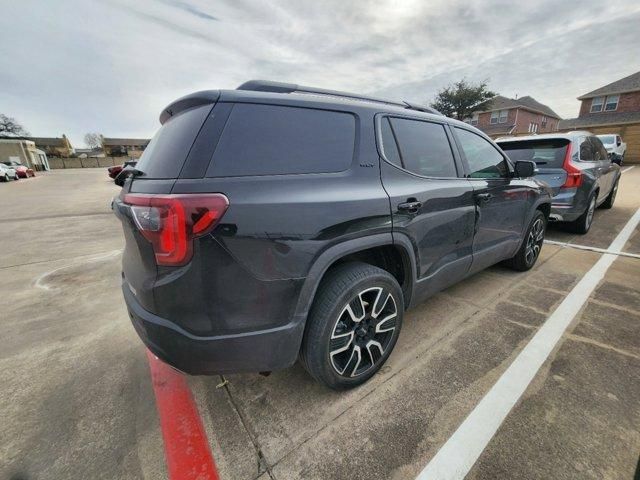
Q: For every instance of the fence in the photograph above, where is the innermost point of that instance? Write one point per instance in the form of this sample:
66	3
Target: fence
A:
58	163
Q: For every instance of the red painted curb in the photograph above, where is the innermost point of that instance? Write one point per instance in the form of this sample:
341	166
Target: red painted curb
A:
186	446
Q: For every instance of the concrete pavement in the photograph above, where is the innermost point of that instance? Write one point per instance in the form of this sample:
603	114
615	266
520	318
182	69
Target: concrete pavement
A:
77	400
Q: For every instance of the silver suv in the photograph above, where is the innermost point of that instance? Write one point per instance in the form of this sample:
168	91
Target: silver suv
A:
576	167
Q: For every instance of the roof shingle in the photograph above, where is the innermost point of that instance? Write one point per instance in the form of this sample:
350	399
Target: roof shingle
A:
612	118
626	84
502	103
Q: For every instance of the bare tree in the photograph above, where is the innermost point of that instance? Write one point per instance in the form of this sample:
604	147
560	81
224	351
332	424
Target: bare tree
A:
11	128
93	140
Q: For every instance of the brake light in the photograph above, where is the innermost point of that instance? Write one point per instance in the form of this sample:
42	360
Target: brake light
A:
574	174
171	222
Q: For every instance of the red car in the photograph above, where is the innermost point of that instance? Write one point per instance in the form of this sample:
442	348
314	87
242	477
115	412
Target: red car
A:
115	171
22	170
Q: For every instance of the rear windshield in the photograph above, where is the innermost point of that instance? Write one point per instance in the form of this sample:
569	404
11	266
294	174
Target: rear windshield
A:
166	153
607	138
277	140
545	152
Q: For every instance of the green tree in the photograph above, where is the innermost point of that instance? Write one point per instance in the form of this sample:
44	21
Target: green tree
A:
461	98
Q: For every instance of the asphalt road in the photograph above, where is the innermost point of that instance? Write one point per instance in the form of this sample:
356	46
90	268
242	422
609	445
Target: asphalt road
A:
77	400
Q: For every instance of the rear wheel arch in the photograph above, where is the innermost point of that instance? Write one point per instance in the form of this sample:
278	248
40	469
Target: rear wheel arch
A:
378	250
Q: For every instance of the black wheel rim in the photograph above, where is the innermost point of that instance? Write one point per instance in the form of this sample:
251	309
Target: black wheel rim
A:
534	241
362	332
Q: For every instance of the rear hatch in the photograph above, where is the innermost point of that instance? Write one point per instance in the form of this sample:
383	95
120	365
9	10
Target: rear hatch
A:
549	154
159	227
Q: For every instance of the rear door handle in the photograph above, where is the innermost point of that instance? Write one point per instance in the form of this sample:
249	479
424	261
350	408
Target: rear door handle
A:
412	207
483	197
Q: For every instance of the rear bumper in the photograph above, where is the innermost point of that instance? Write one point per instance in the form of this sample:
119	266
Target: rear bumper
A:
258	351
567	205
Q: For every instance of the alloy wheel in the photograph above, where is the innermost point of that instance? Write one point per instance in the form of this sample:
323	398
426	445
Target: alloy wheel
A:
534	241
362	332
590	212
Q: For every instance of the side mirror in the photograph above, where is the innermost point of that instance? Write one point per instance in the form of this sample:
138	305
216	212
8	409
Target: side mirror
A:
619	142
525	169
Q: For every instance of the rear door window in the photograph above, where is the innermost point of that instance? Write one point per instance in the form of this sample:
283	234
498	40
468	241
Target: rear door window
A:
485	161
166	153
278	140
423	148
586	150
547	153
599	152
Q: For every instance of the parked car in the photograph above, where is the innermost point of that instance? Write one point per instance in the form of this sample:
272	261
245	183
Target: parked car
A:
265	224
615	147
7	173
576	167
22	170
114	171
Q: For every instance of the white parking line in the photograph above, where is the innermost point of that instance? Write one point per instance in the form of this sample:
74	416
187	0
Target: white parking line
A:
458	455
628	168
591	249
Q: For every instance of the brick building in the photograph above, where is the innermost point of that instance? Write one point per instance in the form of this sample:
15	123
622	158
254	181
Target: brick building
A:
502	116
614	108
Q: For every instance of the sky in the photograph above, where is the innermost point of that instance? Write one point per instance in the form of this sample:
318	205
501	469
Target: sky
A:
111	66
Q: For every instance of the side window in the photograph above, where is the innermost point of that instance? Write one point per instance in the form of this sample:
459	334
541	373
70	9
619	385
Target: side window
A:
389	146
278	140
483	158
599	150
423	148
586	150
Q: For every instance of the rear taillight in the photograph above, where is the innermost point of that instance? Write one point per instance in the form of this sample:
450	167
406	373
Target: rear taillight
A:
574	174
171	222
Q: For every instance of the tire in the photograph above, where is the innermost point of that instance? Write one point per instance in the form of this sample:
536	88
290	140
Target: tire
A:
584	221
6	177
531	246
611	198
343	311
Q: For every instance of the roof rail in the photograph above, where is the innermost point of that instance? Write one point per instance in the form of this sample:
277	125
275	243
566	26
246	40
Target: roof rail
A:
281	87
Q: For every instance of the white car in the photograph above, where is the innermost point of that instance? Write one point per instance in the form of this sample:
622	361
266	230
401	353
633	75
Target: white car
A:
615	147
7	173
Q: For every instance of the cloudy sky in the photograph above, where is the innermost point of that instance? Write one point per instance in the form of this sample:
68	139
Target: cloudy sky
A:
70	66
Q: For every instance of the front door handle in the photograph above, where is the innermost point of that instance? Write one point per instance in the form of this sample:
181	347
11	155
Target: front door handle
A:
483	197
411	207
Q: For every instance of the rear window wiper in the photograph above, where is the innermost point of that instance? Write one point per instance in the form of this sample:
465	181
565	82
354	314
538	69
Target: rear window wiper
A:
128	171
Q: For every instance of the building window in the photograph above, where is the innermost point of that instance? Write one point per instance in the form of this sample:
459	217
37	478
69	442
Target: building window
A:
472	120
611	103
503	116
543	122
533	127
494	116
596	104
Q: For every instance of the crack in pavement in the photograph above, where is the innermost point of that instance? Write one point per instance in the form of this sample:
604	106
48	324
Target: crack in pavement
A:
254	440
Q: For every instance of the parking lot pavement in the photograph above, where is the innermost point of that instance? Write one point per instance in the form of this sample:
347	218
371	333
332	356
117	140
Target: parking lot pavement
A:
76	395
79	401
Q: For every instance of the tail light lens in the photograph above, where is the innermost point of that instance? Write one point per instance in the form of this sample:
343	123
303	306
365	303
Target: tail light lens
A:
574	174
171	222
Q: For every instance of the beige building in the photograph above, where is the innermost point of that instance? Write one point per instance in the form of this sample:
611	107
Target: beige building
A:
120	147
23	151
54	146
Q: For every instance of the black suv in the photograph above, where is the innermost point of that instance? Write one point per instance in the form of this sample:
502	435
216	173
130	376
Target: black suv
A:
277	221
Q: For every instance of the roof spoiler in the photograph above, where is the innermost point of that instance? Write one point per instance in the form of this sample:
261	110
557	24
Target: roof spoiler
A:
197	99
281	87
